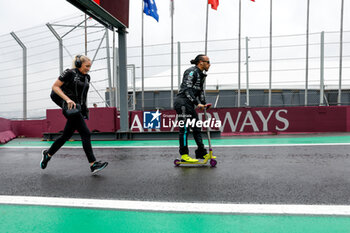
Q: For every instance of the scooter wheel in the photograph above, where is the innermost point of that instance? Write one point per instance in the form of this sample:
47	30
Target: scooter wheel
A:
213	162
176	162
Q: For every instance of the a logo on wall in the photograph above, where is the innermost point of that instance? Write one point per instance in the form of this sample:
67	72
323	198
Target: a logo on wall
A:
151	120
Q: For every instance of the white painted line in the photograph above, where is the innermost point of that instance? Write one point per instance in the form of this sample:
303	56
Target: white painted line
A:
341	210
193	146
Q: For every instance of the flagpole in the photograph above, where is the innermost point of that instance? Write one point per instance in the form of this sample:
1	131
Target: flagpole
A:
206	31
142	62
172	55
85	29
239	57
341	52
307	51
247	70
270	68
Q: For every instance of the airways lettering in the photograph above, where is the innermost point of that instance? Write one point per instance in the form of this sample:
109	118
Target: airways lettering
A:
250	120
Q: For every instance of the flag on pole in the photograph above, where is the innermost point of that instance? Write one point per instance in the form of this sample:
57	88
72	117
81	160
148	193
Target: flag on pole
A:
150	9
97	2
214	4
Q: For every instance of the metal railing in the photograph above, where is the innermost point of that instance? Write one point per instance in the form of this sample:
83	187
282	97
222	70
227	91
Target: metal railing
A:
31	60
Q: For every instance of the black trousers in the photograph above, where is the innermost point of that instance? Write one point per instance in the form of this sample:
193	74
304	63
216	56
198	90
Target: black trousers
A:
75	123
186	111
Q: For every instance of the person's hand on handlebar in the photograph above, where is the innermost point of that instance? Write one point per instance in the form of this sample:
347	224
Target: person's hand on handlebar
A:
207	106
202	106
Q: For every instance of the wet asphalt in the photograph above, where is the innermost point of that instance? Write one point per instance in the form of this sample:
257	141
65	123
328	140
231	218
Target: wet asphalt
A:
264	175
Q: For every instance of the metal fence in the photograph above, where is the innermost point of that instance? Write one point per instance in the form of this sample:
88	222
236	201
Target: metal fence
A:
32	59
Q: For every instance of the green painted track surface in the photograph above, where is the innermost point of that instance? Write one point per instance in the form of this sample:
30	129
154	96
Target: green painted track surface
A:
216	142
59	219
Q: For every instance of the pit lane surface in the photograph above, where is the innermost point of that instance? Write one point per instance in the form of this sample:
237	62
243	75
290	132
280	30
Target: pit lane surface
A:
269	175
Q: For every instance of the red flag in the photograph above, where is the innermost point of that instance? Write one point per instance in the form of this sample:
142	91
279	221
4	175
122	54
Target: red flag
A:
214	4
252	0
97	1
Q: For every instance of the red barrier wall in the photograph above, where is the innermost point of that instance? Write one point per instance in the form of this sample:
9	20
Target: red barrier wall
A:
4	124
100	120
6	133
234	121
348	123
263	120
29	128
291	119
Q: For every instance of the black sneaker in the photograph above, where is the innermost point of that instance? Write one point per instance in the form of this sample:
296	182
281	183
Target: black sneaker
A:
45	159
200	153
98	166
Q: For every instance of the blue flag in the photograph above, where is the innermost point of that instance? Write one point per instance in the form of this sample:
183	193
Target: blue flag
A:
150	9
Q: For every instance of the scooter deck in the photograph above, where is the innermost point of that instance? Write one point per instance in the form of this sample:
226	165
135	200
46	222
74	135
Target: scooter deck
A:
205	161
211	160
